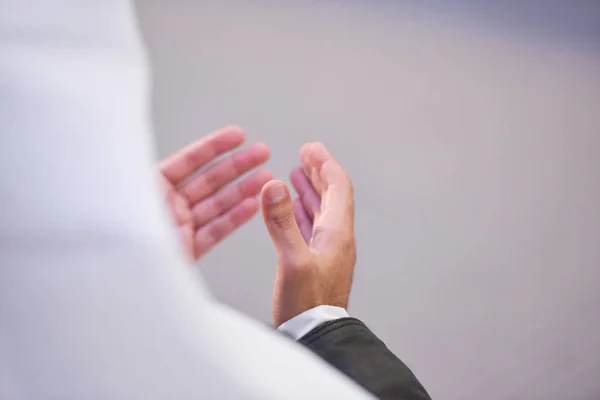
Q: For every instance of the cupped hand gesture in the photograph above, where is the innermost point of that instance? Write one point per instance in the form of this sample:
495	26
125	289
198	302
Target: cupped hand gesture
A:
313	235
204	203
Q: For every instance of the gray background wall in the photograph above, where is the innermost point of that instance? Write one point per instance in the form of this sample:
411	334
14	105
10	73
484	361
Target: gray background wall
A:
472	133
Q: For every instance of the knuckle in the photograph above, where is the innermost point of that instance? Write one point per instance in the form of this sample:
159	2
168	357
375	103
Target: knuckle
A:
211	180
236	164
193	160
221	228
224	201
284	220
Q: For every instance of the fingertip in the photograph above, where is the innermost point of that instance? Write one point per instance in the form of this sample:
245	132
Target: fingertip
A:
259	153
313	155
305	155
268	185
228	138
251	205
235	130
233	133
263	149
274	192
305	147
319	154
264	175
296	171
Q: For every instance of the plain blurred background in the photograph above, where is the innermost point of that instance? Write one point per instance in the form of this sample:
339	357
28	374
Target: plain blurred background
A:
472	133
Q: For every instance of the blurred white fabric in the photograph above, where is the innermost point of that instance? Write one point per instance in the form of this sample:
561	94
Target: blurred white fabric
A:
96	298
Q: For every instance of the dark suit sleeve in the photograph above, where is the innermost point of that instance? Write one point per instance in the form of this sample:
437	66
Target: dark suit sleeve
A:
352	348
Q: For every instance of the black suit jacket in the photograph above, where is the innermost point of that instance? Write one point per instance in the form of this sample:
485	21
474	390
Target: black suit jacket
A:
352	348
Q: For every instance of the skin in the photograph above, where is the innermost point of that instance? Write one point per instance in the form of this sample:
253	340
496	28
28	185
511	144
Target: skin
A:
205	204
313	235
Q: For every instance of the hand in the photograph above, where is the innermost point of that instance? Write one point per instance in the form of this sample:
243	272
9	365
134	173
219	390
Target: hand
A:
313	235
205	207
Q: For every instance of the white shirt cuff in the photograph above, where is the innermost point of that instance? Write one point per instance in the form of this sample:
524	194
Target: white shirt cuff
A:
303	323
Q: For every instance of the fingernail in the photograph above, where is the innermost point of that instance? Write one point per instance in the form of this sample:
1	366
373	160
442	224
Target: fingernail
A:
276	193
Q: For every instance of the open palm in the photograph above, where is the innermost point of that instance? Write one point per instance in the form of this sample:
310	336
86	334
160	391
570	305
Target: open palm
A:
204	204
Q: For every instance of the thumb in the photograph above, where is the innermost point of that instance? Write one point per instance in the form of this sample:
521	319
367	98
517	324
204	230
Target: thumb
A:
278	213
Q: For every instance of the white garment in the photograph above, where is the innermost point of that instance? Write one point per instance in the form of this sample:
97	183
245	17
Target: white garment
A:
303	323
96	298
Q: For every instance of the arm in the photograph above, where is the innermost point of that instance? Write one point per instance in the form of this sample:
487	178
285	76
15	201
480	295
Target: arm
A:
314	238
348	345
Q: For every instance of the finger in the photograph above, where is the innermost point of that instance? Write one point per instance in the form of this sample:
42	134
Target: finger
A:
188	160
314	156
338	198
336	220
307	193
228	197
186	233
311	164
180	209
303	220
278	213
219	228
309	169
224	172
